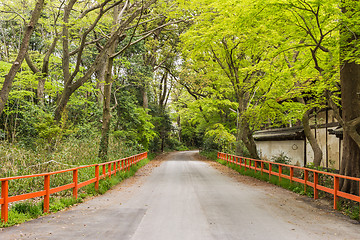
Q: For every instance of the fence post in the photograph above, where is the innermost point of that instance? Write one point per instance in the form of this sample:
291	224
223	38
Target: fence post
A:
5	204
75	180
128	164
114	166
270	169
109	170
316	180
97	177
104	170
306	177
255	164
280	172
291	174
262	168
47	193
122	164
336	188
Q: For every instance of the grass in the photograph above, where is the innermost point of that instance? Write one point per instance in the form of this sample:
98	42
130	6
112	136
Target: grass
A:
18	160
28	210
209	154
349	208
284	183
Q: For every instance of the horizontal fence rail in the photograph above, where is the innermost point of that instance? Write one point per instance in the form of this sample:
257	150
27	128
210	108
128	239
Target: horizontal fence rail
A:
310	176
107	170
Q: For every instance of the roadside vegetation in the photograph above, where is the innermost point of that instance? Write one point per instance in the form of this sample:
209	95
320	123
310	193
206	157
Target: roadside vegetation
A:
347	207
30	209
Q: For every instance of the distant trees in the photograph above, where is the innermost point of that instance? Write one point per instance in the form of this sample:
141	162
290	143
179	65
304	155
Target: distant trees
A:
216	71
84	56
278	61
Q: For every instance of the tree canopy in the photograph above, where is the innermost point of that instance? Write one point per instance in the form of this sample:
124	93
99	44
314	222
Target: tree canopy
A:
177	73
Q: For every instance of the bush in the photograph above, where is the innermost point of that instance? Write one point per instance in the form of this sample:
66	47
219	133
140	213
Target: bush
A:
281	158
29	208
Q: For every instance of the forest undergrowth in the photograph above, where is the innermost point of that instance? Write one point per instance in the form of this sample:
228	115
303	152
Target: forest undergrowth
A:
17	160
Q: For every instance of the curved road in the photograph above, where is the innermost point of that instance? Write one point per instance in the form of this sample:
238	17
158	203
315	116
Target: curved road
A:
187	199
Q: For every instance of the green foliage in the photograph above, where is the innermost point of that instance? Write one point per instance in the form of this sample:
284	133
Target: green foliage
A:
162	126
221	137
28	207
133	124
349	208
263	57
281	158
209	154
52	132
174	144
57	204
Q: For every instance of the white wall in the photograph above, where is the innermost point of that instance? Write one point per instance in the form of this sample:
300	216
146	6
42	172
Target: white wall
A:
294	149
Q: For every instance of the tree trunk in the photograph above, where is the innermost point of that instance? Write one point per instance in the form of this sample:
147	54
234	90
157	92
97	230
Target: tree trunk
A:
318	154
101	75
105	130
350	100
40	92
247	138
108	65
243	127
178	120
162	144
9	78
62	102
145	98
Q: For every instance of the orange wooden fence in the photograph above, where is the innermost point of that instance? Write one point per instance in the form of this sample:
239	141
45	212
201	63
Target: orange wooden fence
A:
112	168
258	165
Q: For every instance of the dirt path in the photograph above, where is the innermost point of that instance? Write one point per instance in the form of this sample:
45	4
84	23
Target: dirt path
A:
182	197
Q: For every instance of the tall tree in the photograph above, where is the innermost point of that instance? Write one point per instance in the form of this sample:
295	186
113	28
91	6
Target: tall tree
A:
232	46
9	78
108	78
350	89
72	80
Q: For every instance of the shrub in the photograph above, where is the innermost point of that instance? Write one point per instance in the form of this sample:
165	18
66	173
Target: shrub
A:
281	158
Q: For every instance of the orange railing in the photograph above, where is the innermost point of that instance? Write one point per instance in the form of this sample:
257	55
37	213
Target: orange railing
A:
112	168
258	165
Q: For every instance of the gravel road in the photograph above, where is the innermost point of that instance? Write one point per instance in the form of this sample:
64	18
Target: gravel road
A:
182	197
